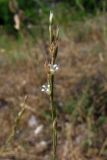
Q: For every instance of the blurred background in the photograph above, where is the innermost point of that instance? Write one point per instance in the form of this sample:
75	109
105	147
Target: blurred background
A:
80	83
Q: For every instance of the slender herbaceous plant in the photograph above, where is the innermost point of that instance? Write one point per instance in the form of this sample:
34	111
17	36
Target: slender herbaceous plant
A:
51	69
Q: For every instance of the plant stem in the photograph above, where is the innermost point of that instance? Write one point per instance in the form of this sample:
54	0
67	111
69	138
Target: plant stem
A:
17	120
54	119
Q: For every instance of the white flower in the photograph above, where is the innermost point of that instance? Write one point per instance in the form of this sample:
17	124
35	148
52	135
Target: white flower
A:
46	88
53	68
51	17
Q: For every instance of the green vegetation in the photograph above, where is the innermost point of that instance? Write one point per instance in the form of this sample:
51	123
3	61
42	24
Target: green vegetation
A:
36	11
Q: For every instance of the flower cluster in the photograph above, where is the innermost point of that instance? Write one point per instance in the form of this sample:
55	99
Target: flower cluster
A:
53	68
46	88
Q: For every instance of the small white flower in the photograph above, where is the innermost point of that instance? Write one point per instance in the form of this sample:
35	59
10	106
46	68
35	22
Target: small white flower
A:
53	68
46	89
51	17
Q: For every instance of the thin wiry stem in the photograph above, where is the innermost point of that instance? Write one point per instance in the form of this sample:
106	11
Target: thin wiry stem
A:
53	108
15	127
54	118
51	68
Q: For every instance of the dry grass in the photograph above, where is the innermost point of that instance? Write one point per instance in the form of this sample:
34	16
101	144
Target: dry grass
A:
80	81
